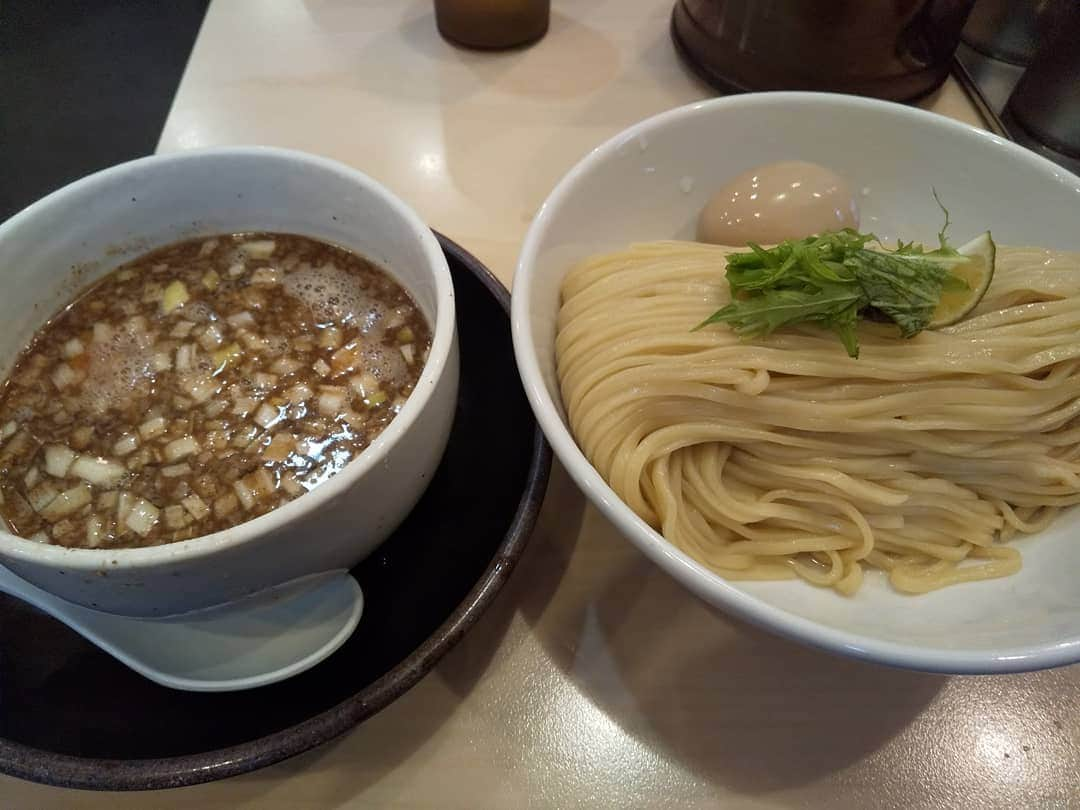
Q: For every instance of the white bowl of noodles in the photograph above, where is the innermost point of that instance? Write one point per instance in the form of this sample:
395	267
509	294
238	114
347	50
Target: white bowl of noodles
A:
649	183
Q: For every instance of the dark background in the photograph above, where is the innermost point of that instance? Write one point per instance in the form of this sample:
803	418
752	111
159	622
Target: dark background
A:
85	84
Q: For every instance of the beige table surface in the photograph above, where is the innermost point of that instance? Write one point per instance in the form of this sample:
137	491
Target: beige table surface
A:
595	680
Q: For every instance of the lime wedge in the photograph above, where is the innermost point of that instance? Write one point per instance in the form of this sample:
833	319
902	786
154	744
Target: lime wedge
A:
977	273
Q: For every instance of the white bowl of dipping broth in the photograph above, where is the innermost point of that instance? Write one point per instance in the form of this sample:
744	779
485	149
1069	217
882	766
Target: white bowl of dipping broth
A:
651	181
73	237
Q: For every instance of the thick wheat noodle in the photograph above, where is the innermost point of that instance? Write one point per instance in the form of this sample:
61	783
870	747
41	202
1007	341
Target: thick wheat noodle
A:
782	457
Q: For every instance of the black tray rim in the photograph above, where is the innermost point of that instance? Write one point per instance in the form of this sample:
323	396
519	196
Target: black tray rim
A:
67	771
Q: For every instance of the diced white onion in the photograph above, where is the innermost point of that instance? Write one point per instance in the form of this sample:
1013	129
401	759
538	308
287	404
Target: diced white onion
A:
152	291
176	517
182	329
74	347
196	506
309	447
236	270
244	493
58	460
266	276
81	436
176	470
259	249
280	448
217	440
15	445
241	320
140	458
185	355
408	353
197	386
152	427
354	420
99	471
180	448
331	337
136	326
8	429
103	333
264	380
286	365
142	517
68	501
348	356
162	361
42	495
331	400
215	408
211	337
267	415
252	341
299	393
63	376
95	531
244	436
127	443
261	482
124	502
364	384
175	295
321	368
33	475
242	406
62	528
291	485
225	505
207	247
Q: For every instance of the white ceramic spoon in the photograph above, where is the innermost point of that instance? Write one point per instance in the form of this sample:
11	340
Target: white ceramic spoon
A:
260	639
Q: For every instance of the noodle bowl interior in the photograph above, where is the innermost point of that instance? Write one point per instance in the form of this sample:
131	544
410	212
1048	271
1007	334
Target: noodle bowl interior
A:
782	457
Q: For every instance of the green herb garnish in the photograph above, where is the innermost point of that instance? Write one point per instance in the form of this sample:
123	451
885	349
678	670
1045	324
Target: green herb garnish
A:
833	280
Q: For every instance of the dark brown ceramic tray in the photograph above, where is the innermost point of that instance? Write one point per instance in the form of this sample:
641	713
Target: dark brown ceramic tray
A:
70	715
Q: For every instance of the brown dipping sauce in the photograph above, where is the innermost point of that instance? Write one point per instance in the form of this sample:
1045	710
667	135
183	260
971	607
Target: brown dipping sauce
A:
200	386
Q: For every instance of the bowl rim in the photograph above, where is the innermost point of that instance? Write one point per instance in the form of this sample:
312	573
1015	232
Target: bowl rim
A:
698	579
442	344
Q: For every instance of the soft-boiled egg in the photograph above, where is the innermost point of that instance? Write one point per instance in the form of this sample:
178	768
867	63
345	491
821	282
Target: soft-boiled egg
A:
790	199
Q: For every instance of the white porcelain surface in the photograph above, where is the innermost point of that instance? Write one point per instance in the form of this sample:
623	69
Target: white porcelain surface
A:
650	182
259	640
80	232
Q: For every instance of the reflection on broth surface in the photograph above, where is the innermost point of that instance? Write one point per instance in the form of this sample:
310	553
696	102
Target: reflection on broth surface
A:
200	386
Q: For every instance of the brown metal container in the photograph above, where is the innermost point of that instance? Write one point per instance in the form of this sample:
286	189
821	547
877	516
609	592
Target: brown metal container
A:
492	24
891	49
